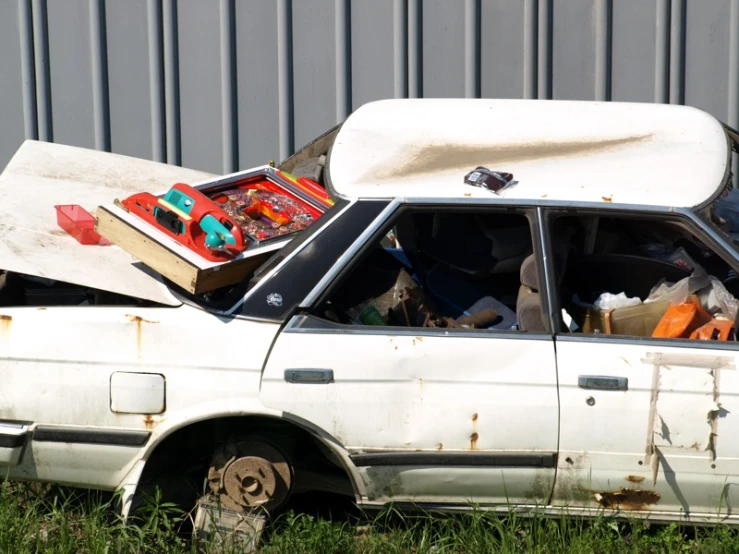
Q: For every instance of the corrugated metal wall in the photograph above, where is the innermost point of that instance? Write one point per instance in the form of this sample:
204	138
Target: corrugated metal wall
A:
221	85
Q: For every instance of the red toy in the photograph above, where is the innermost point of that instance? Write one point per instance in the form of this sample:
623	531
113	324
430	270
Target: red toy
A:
192	219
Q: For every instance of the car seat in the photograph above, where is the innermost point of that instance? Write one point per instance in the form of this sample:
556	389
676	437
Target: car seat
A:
529	311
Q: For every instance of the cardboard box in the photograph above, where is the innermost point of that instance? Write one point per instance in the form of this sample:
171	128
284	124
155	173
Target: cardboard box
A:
639	320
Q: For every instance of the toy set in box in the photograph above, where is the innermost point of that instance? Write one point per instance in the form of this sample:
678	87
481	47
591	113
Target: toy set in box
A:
215	233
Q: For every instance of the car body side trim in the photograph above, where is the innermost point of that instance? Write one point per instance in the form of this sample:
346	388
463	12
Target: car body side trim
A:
14	440
108	437
475	459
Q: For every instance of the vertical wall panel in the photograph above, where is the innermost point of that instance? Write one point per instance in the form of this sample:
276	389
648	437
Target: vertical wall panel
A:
314	68
229	84
198	31
11	82
502	52
373	48
707	55
633	50
70	72
129	81
443	48
256	82
573	49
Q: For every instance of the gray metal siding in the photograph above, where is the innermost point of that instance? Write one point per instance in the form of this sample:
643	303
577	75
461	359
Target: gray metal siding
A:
221	85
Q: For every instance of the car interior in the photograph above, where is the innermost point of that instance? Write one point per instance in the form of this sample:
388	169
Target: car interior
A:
613	275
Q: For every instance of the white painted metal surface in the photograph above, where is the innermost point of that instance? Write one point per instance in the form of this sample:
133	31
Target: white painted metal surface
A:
628	153
137	393
41	175
670	433
62	384
399	392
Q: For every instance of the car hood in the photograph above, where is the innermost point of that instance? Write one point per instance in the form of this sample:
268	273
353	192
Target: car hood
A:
41	175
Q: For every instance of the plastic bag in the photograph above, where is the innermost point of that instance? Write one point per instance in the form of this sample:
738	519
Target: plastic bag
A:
680	320
679	292
608	301
716	299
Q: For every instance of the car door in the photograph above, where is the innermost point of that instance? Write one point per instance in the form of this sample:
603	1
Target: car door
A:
427	414
647	423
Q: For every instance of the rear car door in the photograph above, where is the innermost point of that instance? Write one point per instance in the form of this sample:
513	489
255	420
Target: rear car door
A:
646	422
427	414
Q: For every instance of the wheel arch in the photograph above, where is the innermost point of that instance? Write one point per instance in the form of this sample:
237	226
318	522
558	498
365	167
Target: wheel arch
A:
188	435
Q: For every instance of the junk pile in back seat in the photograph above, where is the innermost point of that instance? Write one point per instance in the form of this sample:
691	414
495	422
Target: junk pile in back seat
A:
694	306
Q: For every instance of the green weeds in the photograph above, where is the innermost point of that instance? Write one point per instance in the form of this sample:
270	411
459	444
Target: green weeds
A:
45	519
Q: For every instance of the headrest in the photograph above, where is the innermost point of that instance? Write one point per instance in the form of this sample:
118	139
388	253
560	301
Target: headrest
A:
529	274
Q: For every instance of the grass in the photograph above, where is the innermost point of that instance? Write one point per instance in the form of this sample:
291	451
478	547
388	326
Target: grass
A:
47	519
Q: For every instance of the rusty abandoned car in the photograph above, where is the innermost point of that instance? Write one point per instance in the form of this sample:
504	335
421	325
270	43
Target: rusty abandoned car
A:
516	304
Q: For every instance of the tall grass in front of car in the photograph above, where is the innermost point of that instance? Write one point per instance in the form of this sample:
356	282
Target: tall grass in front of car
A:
45	519
38	519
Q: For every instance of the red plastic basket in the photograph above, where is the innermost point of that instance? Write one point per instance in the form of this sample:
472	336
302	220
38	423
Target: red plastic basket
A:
79	223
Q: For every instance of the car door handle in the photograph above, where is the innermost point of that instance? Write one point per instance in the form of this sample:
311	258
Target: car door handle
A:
309	375
602	382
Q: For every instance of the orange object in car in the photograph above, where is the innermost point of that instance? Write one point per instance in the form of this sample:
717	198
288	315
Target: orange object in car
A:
679	321
716	329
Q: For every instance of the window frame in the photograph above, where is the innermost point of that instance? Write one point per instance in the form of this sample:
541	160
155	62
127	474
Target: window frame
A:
685	217
307	321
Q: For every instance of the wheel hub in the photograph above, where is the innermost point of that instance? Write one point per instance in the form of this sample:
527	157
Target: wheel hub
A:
249	475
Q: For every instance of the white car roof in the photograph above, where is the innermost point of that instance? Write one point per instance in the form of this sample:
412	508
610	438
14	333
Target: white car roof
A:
562	150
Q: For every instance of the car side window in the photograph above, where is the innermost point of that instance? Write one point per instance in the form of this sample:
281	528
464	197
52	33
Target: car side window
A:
442	268
648	276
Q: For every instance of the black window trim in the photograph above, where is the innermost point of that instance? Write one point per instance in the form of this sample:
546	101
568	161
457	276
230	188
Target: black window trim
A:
244	311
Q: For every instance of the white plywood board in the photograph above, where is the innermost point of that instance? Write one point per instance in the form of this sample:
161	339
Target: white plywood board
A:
41	175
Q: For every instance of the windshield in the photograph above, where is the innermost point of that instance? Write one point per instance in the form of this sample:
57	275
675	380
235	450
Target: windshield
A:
723	213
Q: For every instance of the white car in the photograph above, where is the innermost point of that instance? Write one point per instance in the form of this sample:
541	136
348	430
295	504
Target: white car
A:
426	341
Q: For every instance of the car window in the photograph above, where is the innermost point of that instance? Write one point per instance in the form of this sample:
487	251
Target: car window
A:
455	269
648	277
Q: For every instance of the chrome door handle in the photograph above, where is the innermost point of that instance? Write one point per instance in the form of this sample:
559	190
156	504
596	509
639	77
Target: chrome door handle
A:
602	382
310	376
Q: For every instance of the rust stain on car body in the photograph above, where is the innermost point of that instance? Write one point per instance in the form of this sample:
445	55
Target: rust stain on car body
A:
627	499
473	441
138	320
5	322
148	421
439	157
635	479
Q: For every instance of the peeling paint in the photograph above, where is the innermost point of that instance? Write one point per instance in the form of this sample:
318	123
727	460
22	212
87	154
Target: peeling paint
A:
607	198
636	479
627	499
688	360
